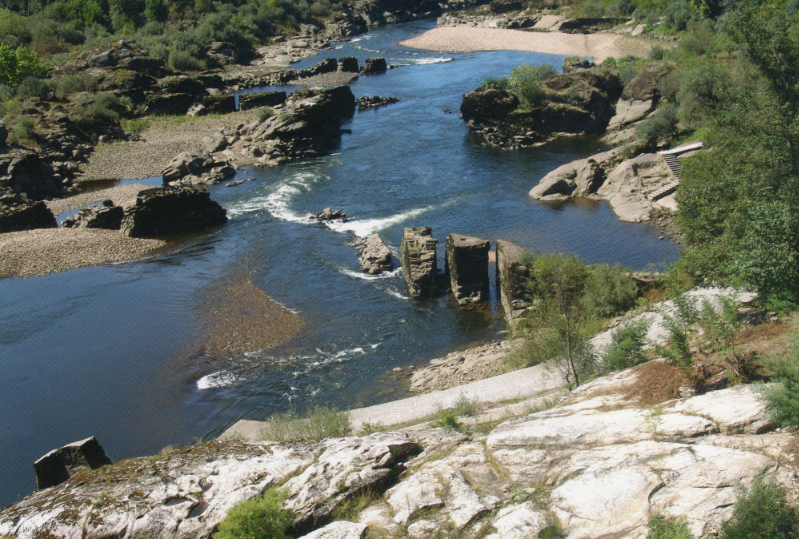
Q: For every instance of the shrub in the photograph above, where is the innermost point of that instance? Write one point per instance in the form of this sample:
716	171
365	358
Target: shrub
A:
678	324
24	130
609	290
33	87
134	125
525	81
661	127
260	517
448	420
627	348
491	83
18	64
763	511
318	423
184	61
71	84
97	111
661	527
782	400
466	406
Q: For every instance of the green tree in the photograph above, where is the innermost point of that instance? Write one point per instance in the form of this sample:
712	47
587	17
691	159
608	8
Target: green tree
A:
739	200
557	283
525	81
18	64
763	511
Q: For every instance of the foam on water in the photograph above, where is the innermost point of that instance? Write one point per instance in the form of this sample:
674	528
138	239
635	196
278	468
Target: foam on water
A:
370	226
278	202
217	380
425	61
367	277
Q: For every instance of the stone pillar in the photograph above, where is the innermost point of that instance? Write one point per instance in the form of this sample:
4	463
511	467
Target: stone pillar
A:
467	263
512	278
419	263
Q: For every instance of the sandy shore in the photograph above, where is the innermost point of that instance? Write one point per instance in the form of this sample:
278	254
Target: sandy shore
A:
473	39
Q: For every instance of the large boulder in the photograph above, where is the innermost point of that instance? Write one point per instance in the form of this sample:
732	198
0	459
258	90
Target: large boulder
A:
348	64
579	178
264	99
467	265
166	211
196	168
374	256
488	107
629	185
24	173
419	262
639	98
25	216
374	66
106	216
59	465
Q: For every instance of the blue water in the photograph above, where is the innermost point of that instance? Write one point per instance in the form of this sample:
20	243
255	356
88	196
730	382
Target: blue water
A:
115	351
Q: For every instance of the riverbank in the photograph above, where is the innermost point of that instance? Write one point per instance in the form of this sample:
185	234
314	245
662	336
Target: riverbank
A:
474	39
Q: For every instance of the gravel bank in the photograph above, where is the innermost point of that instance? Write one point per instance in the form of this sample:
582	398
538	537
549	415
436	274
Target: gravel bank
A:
158	144
473	39
124	195
50	250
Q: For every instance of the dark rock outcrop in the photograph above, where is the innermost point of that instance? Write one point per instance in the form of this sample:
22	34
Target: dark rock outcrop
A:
25	174
579	102
171	210
265	99
24	216
348	64
196	168
106	216
330	215
374	66
640	97
419	262
467	265
217	104
59	465
374	256
3	134
367	102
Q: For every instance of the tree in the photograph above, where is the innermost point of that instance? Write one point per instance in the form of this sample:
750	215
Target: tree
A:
18	64
557	283
739	200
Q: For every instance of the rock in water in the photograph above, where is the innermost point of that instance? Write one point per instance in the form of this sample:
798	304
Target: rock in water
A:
374	256
60	464
467	263
374	66
165	211
419	263
512	276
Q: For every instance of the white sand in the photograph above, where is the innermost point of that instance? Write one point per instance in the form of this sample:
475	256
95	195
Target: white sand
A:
472	39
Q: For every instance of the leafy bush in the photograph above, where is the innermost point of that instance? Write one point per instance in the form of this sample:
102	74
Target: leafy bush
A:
609	290
184	61
627	347
782	400
491	83
448	420
525	81
678	324
71	84
661	127
24	130
18	64
661	527
259	517
763	511
33	87
318	423
97	111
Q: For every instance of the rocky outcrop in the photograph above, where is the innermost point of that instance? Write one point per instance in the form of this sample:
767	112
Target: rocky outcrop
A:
367	102
639	98
196	168
374	66
627	187
512	277
59	465
467	265
308	126
348	64
579	178
264	99
3	134
106	216
23	173
19	216
579	102
329	214
374	256
171	210
419	262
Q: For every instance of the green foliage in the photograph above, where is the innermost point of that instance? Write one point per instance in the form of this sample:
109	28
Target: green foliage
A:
782	400
71	84
627	347
763	511
184	61
259	517
678	322
24	131
368	428
661	127
525	81
661	527
721	327
466	406
553	529
95	112
502	83
609	291
317	424
137	125
17	64
738	202
447	419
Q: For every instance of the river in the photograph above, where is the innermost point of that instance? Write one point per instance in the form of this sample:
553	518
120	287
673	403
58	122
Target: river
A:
112	351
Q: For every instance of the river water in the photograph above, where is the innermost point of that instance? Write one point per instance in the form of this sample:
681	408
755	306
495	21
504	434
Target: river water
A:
112	351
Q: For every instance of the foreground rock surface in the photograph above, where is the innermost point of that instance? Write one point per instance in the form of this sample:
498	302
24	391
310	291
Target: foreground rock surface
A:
595	460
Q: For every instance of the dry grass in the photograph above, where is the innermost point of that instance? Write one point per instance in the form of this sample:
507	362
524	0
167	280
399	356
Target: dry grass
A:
656	382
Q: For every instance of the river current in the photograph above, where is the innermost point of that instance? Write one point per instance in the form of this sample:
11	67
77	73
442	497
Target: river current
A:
111	351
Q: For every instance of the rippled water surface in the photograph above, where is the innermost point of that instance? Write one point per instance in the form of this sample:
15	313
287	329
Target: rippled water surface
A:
116	351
